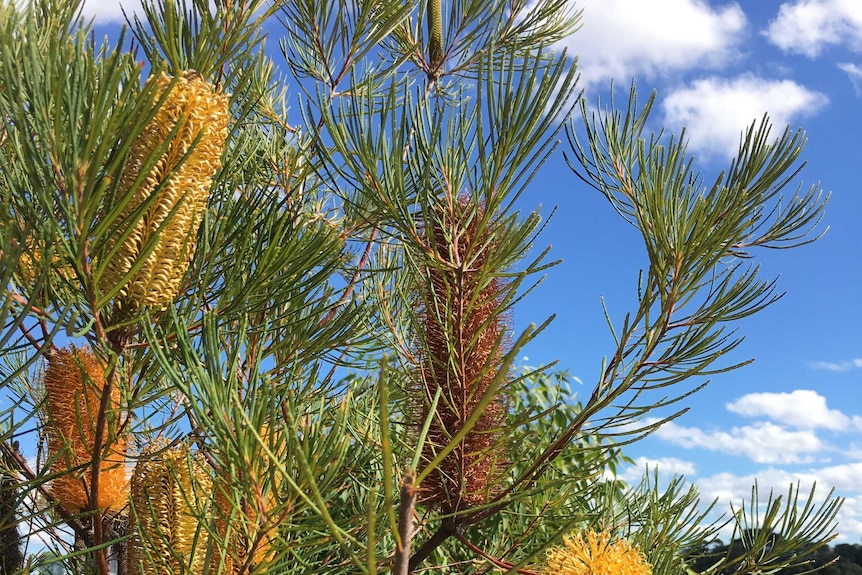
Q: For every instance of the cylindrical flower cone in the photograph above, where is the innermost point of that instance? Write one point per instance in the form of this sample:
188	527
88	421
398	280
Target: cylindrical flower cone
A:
169	492
463	330
181	177
595	555
74	383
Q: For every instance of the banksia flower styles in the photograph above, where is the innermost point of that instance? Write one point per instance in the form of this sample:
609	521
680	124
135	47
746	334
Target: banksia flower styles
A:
595	555
463	347
181	177
167	487
74	383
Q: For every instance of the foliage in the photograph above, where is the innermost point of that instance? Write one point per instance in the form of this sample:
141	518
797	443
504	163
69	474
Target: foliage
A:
326	381
841	559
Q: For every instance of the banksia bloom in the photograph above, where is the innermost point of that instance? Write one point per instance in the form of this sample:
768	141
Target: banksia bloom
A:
252	526
74	383
595	556
168	490
29	263
200	118
465	337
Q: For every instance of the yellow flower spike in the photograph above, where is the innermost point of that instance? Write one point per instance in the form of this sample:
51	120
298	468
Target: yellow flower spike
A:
166	489
255	514
74	381
595	556
197	112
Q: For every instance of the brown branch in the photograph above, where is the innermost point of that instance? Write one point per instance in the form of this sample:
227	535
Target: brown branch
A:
448	528
117	341
366	255
405	524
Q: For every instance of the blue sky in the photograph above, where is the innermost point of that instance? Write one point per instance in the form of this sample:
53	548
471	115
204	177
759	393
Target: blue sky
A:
796	413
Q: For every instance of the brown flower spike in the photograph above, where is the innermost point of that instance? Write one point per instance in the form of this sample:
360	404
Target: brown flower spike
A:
464	343
181	177
74	382
168	486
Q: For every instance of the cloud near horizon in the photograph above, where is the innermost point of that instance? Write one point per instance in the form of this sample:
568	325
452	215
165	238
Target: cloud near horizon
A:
108	11
762	442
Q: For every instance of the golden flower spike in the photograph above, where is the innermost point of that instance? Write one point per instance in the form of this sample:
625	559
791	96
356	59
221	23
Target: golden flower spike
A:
595	556
74	381
166	486
200	116
255	512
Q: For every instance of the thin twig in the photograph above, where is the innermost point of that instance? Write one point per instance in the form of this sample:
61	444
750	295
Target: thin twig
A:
498	562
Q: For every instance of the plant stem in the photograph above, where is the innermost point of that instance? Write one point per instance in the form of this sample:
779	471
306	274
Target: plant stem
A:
405	524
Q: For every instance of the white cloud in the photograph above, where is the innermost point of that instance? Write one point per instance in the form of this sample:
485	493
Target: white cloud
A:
854	72
667	467
106	11
808	26
763	442
844	365
624	38
802	408
715	111
728	487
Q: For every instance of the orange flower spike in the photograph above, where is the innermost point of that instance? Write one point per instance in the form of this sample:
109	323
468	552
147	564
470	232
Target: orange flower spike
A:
74	382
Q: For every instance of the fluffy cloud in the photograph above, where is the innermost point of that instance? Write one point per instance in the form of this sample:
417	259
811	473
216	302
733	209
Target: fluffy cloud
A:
715	111
802	408
105	11
762	442
845	365
808	26
667	468
623	38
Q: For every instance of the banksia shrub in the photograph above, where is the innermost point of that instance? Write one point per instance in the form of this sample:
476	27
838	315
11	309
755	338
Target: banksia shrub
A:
595	555
169	488
181	177
74	383
463	344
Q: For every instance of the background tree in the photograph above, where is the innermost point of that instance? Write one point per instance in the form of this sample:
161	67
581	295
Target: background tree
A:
297	333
